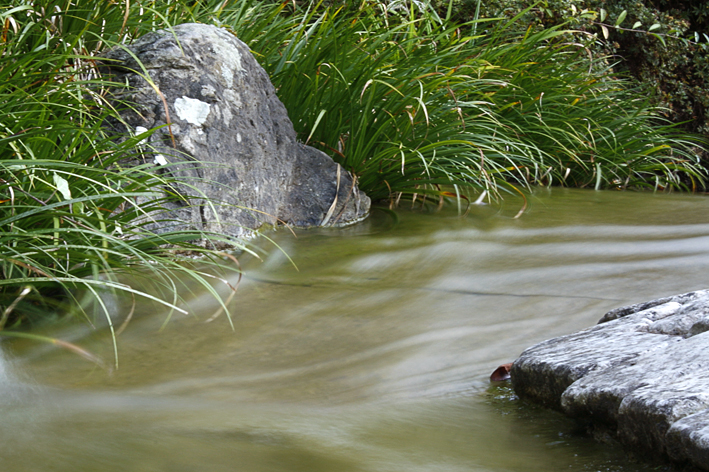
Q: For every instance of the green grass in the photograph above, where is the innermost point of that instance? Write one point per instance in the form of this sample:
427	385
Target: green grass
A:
411	104
72	211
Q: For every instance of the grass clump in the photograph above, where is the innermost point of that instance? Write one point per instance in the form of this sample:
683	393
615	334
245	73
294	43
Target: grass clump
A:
72	213
410	102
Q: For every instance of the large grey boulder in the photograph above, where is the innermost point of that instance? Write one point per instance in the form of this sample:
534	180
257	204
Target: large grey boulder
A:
226	133
640	375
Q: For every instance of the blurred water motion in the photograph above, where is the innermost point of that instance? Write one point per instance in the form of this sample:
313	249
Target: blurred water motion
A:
373	356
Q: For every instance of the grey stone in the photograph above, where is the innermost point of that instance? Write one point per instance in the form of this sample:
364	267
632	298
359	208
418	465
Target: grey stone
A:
688	439
629	310
641	374
225	132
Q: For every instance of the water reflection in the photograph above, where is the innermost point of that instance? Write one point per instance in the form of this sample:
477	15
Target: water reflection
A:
372	356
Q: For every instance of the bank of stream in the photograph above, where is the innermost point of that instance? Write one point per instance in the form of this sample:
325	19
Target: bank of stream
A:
373	356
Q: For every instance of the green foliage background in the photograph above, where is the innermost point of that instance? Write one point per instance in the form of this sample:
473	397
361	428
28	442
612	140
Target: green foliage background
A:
409	102
673	70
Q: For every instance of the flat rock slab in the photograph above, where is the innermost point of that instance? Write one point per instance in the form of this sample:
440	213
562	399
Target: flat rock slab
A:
226	135
641	374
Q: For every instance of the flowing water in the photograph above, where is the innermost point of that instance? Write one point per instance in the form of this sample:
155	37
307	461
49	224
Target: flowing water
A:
373	356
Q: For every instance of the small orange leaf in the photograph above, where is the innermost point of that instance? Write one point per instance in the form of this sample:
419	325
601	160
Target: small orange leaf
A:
501	373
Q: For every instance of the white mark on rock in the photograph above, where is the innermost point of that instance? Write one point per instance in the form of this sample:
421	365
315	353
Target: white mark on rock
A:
160	160
230	58
192	110
233	97
208	91
186	141
226	115
238	137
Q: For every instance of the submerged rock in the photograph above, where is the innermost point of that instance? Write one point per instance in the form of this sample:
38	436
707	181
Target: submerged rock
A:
227	136
640	375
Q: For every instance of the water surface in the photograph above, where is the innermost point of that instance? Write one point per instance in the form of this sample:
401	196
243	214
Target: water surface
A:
373	355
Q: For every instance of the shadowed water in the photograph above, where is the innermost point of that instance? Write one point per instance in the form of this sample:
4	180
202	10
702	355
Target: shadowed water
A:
373	356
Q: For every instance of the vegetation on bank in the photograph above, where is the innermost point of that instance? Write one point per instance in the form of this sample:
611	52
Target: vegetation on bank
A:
662	44
408	101
72	213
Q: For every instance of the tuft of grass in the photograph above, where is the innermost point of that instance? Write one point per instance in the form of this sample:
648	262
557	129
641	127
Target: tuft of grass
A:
73	209
410	102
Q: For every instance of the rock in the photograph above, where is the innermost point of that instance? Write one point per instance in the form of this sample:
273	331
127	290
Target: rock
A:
640	374
228	135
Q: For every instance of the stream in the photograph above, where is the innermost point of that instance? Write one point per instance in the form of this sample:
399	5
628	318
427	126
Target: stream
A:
373	355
